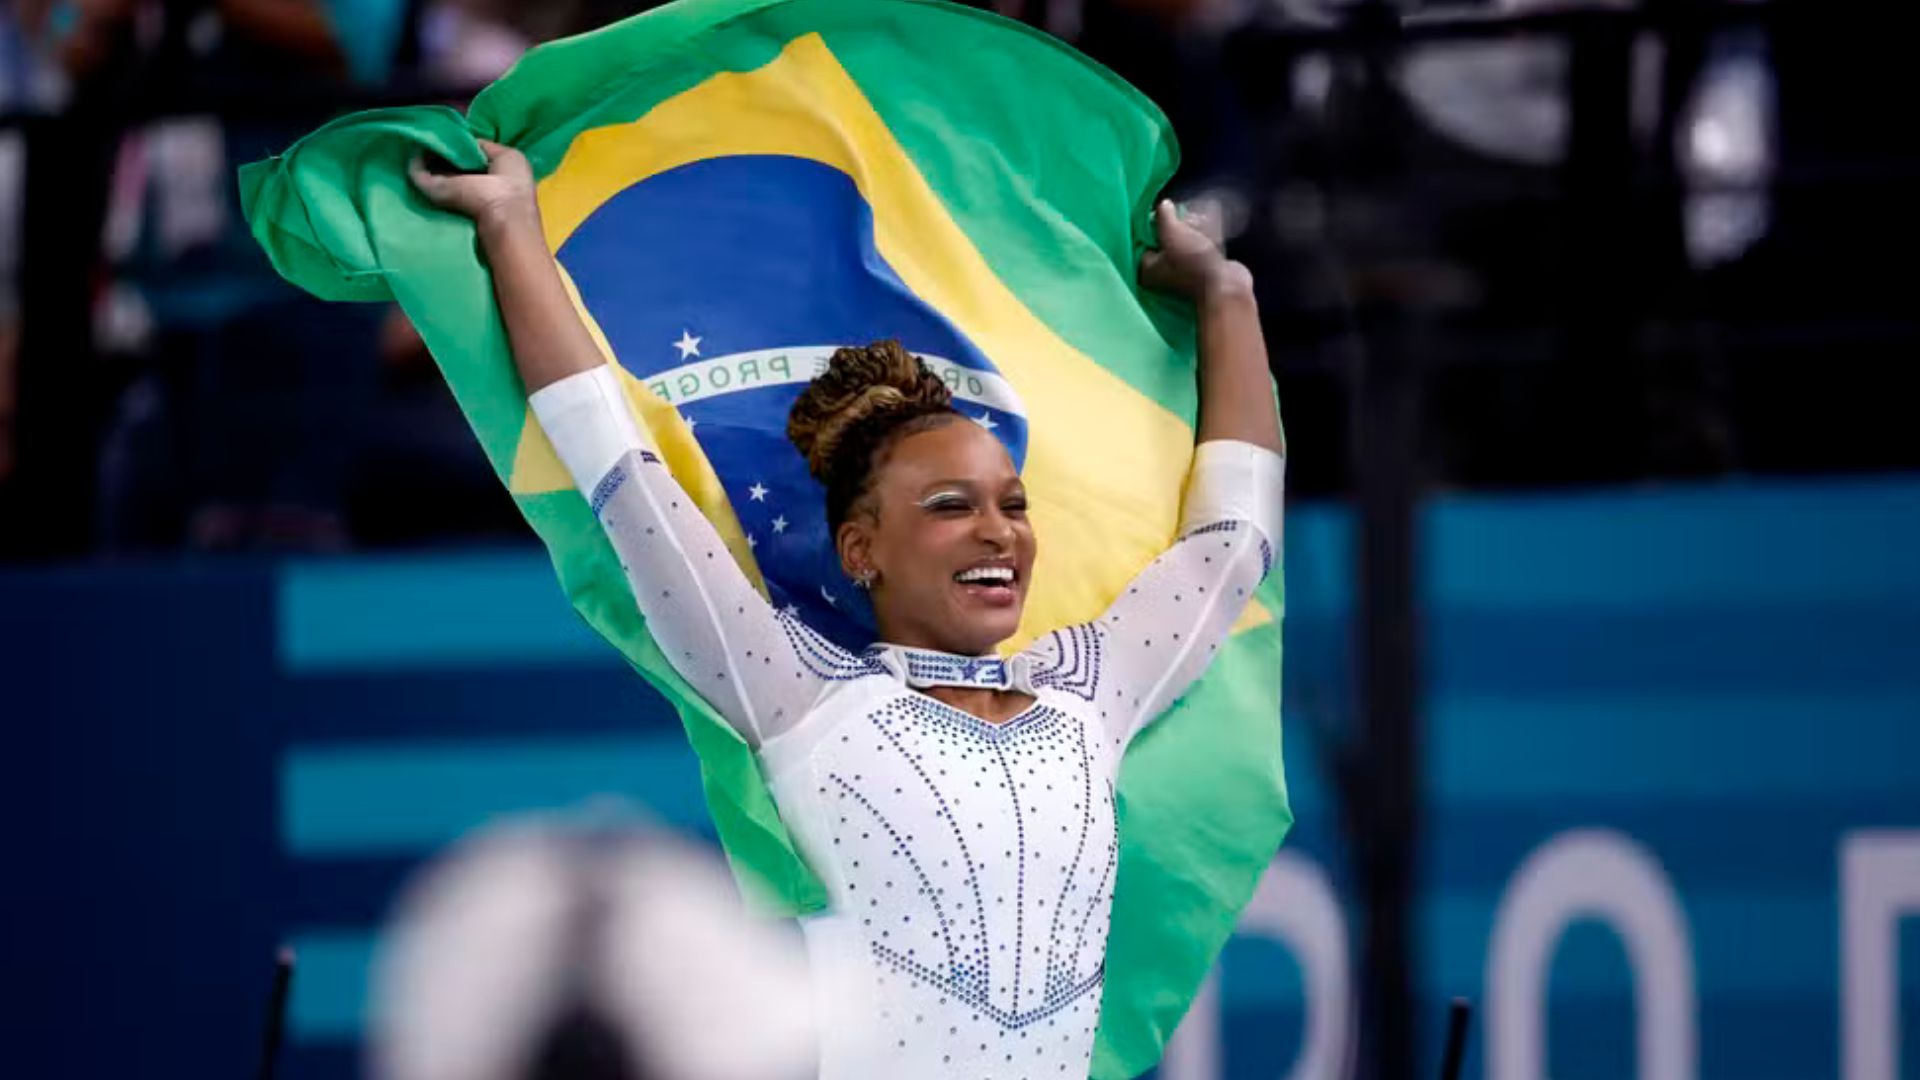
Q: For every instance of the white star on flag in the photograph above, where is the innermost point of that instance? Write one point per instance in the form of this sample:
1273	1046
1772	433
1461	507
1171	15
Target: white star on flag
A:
985	421
790	610
752	542
691	422
688	345
758	492
780	524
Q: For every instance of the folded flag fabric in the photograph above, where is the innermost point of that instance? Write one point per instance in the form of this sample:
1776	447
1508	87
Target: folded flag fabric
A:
732	189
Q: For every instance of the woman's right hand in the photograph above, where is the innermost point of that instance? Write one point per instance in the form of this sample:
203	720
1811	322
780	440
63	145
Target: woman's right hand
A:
1189	262
501	196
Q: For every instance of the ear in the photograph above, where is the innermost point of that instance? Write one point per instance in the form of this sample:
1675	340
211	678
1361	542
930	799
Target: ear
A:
854	542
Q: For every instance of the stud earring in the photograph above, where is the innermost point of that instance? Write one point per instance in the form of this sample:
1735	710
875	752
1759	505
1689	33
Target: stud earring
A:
864	580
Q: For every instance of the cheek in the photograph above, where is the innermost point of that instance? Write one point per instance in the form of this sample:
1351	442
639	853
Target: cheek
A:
918	552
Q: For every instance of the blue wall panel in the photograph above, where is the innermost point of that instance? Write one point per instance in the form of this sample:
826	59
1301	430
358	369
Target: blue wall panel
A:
208	759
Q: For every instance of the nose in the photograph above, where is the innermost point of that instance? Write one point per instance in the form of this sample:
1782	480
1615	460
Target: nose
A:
993	526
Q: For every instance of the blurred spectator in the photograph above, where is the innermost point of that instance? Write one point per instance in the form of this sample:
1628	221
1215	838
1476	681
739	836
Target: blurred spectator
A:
539	951
11	169
469	43
32	79
464	44
9	354
252	416
241	398
1654	269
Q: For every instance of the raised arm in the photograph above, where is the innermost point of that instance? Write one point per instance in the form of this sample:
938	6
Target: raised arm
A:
1163	630
1236	388
548	339
760	670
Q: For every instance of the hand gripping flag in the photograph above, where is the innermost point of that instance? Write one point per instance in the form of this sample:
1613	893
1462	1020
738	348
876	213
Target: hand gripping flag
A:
733	188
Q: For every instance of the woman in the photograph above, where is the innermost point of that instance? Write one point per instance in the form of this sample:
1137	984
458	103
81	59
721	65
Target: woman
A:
959	806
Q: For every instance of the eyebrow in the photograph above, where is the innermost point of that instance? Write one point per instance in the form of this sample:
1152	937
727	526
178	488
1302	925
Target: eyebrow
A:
939	487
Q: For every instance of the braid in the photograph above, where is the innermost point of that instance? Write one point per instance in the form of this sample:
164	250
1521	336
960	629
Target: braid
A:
869	397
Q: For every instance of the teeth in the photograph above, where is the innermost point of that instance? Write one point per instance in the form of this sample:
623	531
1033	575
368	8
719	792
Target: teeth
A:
991	574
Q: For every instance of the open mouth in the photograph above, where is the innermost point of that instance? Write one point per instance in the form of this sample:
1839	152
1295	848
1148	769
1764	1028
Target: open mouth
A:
993	584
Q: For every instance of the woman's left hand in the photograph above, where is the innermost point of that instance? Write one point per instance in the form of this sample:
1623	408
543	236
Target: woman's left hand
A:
1187	263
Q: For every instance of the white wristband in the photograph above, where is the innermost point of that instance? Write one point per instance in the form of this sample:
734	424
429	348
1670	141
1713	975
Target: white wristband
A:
586	418
1235	481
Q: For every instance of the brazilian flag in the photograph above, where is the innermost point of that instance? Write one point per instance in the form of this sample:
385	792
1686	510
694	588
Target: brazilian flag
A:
733	188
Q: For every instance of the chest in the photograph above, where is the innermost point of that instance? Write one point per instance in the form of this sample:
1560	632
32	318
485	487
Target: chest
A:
977	858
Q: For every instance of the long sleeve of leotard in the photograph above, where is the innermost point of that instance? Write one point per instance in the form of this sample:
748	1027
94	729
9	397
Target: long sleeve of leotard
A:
760	669
1163	630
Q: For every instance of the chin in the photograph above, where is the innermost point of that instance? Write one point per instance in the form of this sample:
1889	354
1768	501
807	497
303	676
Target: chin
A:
983	634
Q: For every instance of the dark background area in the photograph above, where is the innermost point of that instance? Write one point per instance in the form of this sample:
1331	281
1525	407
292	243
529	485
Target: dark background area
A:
1512	252
1618	246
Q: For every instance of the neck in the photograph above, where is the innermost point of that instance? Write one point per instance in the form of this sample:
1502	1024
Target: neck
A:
993	706
989	703
912	638
934	646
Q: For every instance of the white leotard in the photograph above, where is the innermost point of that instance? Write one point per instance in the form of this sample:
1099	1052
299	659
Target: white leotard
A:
970	864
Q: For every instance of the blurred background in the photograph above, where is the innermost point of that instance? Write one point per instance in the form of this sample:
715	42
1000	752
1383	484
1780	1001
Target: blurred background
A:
1603	646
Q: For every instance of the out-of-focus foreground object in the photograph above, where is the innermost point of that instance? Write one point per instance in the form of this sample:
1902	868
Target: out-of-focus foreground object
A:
541	950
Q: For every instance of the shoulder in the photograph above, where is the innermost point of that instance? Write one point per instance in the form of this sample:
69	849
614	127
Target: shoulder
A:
821	656
1069	660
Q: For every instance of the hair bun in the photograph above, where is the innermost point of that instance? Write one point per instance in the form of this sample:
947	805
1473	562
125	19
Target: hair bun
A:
861	382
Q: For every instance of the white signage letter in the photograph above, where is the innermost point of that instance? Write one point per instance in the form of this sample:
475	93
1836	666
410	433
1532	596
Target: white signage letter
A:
1593	874
1879	882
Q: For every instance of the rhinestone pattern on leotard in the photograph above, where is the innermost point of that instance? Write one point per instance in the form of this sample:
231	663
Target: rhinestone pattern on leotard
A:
926	667
979	861
970	866
1069	660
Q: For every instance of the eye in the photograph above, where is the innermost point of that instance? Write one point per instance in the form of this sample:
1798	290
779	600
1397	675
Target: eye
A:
947	504
1016	507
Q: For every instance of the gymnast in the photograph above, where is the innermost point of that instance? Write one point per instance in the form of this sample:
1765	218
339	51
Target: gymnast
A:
957	803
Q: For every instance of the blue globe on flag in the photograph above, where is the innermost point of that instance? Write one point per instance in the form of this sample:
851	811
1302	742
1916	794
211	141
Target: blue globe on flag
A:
724	286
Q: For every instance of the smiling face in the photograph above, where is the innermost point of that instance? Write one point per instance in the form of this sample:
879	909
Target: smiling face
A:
944	530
